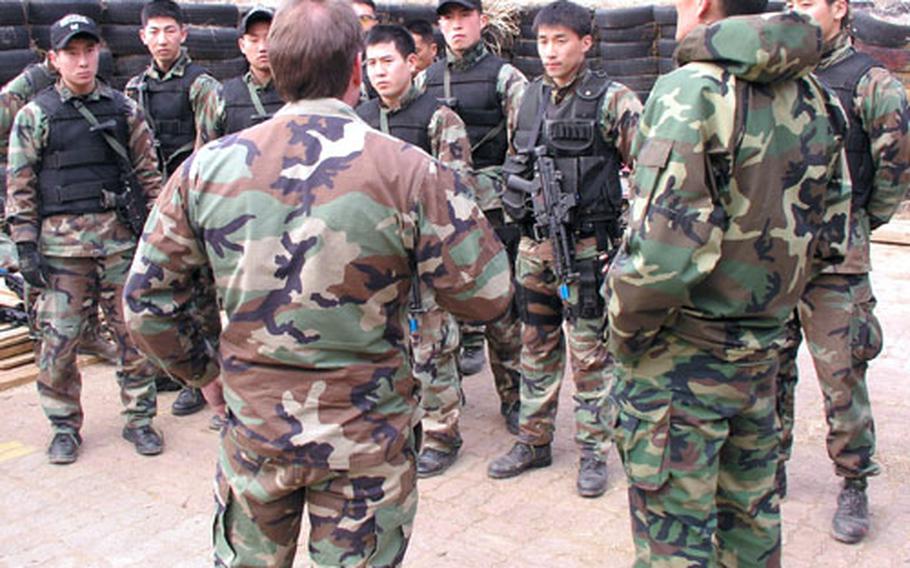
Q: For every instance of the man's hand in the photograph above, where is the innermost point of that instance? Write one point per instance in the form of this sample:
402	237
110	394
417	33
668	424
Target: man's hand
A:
31	264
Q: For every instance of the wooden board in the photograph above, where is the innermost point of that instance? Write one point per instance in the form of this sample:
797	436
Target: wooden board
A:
17	361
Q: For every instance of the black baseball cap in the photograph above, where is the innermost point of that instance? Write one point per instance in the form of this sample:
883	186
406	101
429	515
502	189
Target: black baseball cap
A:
70	26
256	14
469	4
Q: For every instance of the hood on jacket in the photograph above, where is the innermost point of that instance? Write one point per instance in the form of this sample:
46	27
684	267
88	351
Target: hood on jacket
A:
765	48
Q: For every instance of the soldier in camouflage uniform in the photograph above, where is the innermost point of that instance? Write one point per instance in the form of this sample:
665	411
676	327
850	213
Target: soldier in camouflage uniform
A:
15	95
737	193
420	119
314	241
486	92
252	97
64	169
836	310
181	102
586	123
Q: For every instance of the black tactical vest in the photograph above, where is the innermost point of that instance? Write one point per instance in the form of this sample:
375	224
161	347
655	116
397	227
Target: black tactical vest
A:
474	98
842	78
170	114
588	165
77	164
409	123
239	110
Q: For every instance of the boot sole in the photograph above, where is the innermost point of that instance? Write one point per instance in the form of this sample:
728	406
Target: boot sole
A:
62	460
847	539
187	411
509	474
142	452
590	494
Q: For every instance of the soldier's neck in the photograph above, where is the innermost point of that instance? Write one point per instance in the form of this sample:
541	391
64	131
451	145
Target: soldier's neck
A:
79	90
261	77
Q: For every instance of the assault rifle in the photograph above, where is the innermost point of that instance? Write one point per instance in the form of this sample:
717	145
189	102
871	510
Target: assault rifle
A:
129	204
552	213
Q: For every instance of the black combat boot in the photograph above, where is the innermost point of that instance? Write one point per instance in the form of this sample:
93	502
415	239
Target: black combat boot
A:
851	520
147	441
471	359
592	476
64	448
188	401
432	462
509	411
520	458
164	383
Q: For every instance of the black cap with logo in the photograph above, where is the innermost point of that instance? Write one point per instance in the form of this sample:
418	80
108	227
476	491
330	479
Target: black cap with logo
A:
256	14
70	26
469	4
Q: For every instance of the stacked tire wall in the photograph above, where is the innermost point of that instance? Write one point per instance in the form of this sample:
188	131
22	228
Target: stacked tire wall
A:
635	45
25	36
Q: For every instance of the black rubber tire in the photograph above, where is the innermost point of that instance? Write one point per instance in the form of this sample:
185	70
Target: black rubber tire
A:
212	43
624	17
526	32
41	35
130	65
875	31
106	64
525	48
896	59
13	61
12	13
778	6
118	82
124	40
665	14
530	66
667	32
201	14
626	51
46	12
123	12
631	67
666	47
528	13
644	32
14	37
637	82
222	69
404	13
666	65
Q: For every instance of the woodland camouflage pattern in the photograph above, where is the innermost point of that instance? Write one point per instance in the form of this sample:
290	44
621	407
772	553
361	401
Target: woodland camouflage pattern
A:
729	212
836	309
88	256
309	244
543	341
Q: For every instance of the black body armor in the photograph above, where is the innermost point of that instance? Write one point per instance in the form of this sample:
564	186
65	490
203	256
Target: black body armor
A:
239	109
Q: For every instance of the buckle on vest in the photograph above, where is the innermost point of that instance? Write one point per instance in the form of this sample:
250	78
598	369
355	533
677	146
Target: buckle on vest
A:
108	199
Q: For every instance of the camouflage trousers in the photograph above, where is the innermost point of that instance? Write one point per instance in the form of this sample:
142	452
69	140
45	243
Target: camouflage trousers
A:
434	346
75	287
843	335
698	437
359	517
544	348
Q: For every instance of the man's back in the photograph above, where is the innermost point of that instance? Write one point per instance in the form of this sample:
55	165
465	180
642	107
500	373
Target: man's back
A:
733	188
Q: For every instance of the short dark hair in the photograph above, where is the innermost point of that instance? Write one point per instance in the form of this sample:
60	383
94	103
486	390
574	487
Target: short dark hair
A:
564	13
389	33
369	3
313	45
743	7
162	9
421	28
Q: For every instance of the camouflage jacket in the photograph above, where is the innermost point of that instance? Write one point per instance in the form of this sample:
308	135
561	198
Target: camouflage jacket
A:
14	95
730	208
449	141
203	95
618	115
309	222
87	234
510	88
880	102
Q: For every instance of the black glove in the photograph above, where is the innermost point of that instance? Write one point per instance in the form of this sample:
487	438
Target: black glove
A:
31	264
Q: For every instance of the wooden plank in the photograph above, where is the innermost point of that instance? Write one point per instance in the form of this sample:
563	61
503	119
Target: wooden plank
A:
17	349
17	361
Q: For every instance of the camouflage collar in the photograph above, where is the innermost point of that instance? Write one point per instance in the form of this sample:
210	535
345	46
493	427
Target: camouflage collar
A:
250	79
176	70
469	59
558	94
100	90
407	98
836	50
324	107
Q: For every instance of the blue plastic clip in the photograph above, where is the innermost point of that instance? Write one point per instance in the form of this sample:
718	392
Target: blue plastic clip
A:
564	291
